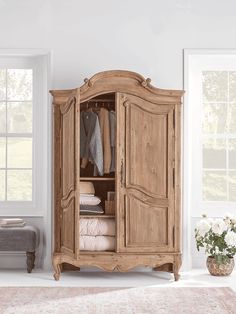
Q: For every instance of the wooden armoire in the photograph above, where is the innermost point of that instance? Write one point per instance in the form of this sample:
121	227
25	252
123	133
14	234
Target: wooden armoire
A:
146	180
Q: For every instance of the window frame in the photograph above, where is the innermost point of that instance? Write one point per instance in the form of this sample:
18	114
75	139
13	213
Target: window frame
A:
198	61
190	214
39	62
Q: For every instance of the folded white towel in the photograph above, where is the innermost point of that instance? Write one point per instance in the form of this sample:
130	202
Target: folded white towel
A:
97	226
13	225
10	221
89	200
98	243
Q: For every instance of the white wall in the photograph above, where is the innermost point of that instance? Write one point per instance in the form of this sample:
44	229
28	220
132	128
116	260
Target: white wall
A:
90	36
143	36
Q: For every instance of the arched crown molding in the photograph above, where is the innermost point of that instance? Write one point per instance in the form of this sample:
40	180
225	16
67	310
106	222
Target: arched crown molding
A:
119	81
125	81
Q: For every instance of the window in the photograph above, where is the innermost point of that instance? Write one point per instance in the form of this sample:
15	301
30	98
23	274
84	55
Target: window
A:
219	136
23	135
16	101
210	84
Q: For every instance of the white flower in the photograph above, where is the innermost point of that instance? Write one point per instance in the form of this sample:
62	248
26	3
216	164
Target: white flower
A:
198	237
216	250
233	220
225	252
219	226
230	238
227	222
203	227
210	221
228	216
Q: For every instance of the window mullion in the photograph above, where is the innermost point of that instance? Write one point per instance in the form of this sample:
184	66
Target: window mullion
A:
6	182
227	141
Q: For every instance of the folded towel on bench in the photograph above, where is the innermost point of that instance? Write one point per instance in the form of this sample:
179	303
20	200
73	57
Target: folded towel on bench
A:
12	222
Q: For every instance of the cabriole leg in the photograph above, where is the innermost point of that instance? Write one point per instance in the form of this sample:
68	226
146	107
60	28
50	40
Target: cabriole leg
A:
57	269
176	267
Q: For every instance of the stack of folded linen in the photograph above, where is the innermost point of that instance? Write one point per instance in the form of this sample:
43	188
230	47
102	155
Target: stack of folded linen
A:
97	234
89	203
12	222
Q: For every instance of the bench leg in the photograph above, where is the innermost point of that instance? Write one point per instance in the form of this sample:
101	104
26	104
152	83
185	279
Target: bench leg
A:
30	261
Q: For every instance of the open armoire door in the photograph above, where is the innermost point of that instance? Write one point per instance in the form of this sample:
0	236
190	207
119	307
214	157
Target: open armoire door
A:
117	175
146	190
66	170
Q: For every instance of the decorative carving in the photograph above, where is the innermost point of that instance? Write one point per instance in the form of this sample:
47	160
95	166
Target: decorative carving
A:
146	82
126	103
67	199
118	262
88	82
113	81
146	197
144	194
66	107
166	267
30	261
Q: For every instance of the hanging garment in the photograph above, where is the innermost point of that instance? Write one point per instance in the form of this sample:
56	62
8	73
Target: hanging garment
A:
96	149
112	118
106	141
91	141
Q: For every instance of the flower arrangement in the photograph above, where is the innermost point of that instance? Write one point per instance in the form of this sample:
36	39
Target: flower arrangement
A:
218	237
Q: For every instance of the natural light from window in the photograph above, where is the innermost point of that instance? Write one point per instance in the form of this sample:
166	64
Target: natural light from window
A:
210	131
16	96
219	135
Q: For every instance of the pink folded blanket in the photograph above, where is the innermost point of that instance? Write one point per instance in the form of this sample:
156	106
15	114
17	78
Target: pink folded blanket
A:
97	243
97	227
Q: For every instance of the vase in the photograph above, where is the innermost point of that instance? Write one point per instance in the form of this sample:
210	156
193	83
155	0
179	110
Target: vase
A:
219	269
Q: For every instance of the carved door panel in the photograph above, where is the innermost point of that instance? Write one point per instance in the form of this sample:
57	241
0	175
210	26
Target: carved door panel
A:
68	177
145	162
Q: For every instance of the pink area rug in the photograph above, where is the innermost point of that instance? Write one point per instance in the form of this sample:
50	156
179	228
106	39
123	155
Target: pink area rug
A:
141	300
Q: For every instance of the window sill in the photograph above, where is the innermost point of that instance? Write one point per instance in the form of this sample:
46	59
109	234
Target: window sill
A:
21	212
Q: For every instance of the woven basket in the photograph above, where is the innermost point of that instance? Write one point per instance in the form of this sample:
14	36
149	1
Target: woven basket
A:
217	269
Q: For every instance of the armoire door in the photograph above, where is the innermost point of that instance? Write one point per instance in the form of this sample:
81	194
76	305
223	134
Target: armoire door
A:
68	177
145	184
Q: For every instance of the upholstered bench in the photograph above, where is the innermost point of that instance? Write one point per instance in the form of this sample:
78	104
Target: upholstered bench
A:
20	239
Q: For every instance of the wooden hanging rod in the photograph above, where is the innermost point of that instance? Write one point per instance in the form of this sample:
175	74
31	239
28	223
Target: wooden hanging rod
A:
99	100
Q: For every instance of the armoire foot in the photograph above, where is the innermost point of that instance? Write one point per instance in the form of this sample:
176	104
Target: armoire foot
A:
176	267
176	276
57	269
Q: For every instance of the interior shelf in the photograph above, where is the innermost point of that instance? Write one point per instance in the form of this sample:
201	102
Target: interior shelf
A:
97	216
98	252
97	178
